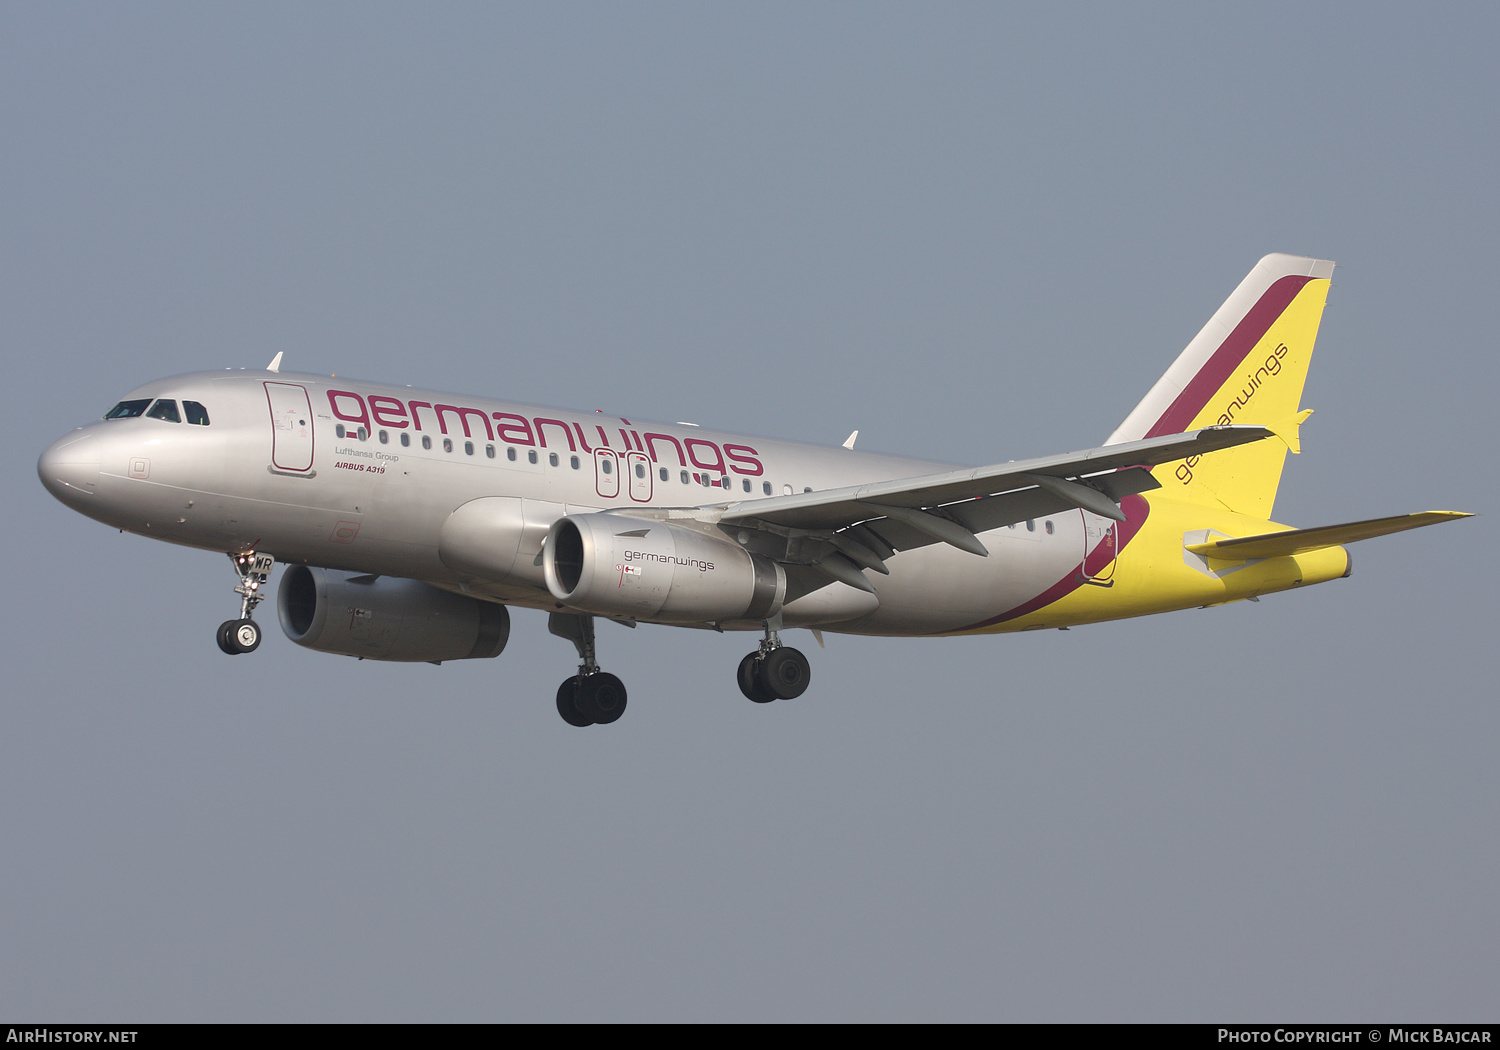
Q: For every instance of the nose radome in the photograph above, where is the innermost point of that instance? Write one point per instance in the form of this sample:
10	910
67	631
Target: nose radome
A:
69	468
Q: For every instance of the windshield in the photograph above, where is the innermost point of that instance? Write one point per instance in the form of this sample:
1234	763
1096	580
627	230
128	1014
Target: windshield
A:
165	409
128	409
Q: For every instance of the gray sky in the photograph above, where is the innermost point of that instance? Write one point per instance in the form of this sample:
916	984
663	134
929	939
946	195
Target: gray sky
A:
975	233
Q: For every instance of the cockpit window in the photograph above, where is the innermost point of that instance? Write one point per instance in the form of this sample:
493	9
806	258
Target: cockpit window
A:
196	413
128	409
165	409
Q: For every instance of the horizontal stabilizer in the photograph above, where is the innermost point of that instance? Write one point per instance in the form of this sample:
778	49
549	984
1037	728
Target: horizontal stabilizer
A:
1300	541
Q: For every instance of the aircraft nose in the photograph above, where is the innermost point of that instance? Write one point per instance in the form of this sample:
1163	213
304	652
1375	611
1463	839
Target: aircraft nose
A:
69	468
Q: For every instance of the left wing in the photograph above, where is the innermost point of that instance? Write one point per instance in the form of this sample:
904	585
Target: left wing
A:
835	508
842	531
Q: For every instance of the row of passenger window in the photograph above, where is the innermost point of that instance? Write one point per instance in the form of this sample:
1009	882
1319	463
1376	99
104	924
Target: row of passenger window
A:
1031	525
163	408
553	459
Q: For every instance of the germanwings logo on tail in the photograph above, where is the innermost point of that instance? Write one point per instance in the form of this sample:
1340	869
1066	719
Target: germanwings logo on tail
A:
1246	366
1208	383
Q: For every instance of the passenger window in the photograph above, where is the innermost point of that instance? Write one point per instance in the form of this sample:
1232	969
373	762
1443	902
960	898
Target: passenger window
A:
808	489
664	473
747	484
724	482
426	441
447	444
489	450
510	454
1030	525
468	448
573	462
405	439
164	410
385	439
338	430
128	409
765	486
196	413
531	455
684	477
552	459
362	433
786	490
1049	528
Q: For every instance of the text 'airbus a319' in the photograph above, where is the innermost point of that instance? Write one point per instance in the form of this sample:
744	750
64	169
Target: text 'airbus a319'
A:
409	521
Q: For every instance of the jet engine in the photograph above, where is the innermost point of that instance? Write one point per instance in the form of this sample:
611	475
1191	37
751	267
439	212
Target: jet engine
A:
649	570
386	618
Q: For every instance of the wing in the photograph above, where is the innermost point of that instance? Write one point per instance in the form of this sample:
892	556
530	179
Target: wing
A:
841	531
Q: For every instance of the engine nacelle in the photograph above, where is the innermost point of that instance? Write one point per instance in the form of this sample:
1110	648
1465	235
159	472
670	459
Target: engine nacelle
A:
387	618
650	570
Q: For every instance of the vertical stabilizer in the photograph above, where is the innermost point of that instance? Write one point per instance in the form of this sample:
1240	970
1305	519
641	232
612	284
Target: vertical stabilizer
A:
1247	365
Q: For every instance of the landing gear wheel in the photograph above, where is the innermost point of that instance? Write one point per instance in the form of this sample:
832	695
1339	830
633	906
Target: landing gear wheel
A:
601	697
567	704
748	677
785	673
245	636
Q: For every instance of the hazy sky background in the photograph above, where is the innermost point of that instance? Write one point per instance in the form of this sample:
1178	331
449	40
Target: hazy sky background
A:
974	232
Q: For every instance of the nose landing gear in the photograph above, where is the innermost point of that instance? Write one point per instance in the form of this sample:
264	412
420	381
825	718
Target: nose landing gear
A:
774	671
243	635
591	697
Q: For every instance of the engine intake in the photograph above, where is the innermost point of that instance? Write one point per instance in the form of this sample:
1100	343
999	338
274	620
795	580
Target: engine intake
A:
387	618
650	570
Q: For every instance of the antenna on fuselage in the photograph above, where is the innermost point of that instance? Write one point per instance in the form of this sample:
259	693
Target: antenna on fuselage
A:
850	443
275	365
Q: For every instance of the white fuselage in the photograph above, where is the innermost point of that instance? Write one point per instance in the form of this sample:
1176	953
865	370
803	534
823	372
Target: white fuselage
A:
361	477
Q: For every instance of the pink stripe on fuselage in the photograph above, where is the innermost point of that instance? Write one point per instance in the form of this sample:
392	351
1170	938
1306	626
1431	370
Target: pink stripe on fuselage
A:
1136	509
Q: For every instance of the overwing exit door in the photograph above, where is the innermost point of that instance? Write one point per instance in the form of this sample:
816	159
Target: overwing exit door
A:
606	473
640	476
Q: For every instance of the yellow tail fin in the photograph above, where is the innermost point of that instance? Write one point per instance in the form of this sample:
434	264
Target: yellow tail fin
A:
1247	365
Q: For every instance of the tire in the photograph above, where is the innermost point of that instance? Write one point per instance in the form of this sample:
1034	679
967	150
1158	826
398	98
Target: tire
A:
785	673
223	638
244	635
567	704
602	697
749	680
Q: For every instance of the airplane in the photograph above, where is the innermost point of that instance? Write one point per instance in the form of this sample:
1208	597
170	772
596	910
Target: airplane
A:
409	521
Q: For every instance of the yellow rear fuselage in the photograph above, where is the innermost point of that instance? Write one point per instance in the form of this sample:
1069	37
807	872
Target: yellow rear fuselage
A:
1154	572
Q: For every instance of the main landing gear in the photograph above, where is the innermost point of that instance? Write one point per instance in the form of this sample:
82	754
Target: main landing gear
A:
591	697
774	671
243	635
